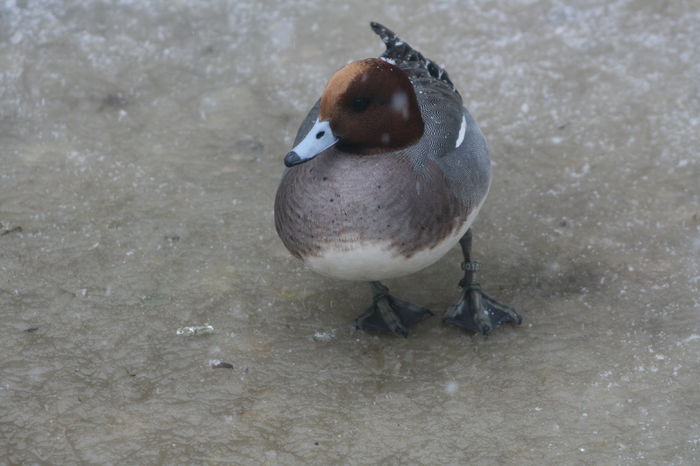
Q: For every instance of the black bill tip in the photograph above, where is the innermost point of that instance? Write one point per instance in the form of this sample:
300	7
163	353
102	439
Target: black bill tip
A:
292	159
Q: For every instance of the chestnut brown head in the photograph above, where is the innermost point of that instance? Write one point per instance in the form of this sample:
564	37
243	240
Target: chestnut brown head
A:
371	107
368	107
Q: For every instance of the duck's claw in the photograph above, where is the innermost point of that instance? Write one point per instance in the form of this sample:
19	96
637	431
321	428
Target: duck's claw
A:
478	312
389	314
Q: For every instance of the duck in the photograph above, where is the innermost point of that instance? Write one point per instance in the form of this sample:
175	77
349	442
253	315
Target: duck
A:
387	173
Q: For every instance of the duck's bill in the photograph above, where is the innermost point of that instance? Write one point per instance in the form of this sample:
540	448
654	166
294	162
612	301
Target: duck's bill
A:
319	138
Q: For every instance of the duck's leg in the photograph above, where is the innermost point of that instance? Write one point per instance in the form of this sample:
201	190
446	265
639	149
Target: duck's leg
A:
388	314
475	310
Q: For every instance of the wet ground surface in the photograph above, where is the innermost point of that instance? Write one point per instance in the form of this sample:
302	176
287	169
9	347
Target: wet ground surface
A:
140	148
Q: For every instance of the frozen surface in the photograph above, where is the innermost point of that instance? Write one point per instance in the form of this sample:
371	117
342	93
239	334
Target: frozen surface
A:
140	148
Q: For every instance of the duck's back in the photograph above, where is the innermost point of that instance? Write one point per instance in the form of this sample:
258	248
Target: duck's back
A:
452	137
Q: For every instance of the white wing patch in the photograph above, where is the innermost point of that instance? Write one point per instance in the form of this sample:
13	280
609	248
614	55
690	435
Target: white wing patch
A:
462	132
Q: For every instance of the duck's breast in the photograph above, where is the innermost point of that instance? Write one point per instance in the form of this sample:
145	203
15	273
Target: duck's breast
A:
369	217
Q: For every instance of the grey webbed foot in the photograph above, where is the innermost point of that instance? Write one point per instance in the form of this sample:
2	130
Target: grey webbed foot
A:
475	310
478	312
389	314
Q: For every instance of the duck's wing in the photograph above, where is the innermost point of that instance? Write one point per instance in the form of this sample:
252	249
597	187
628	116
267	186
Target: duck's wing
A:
403	55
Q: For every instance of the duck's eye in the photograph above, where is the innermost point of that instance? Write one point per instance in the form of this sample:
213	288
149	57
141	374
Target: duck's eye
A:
359	104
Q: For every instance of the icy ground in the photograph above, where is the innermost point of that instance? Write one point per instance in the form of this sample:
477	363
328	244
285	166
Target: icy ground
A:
140	148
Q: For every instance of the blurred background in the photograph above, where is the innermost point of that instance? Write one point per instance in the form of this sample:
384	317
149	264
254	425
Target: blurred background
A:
141	145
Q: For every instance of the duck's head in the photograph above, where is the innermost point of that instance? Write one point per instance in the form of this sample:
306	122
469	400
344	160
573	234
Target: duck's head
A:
368	107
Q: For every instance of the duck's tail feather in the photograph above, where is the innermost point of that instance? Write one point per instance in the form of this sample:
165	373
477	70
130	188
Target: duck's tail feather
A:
400	52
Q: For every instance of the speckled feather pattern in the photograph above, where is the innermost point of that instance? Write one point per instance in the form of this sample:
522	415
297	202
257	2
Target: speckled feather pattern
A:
349	199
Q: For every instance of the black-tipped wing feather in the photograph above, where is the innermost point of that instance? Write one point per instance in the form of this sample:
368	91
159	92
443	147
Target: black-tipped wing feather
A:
403	54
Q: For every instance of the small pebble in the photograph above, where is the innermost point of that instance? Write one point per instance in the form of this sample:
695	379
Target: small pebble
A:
16	229
216	364
324	336
195	330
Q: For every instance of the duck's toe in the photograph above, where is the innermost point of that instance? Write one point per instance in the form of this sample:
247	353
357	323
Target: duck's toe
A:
478	312
389	314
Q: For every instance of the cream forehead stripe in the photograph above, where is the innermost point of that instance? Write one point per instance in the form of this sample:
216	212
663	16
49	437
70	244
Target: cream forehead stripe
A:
338	84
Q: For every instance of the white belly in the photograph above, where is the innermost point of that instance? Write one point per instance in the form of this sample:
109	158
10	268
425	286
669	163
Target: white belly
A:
378	261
